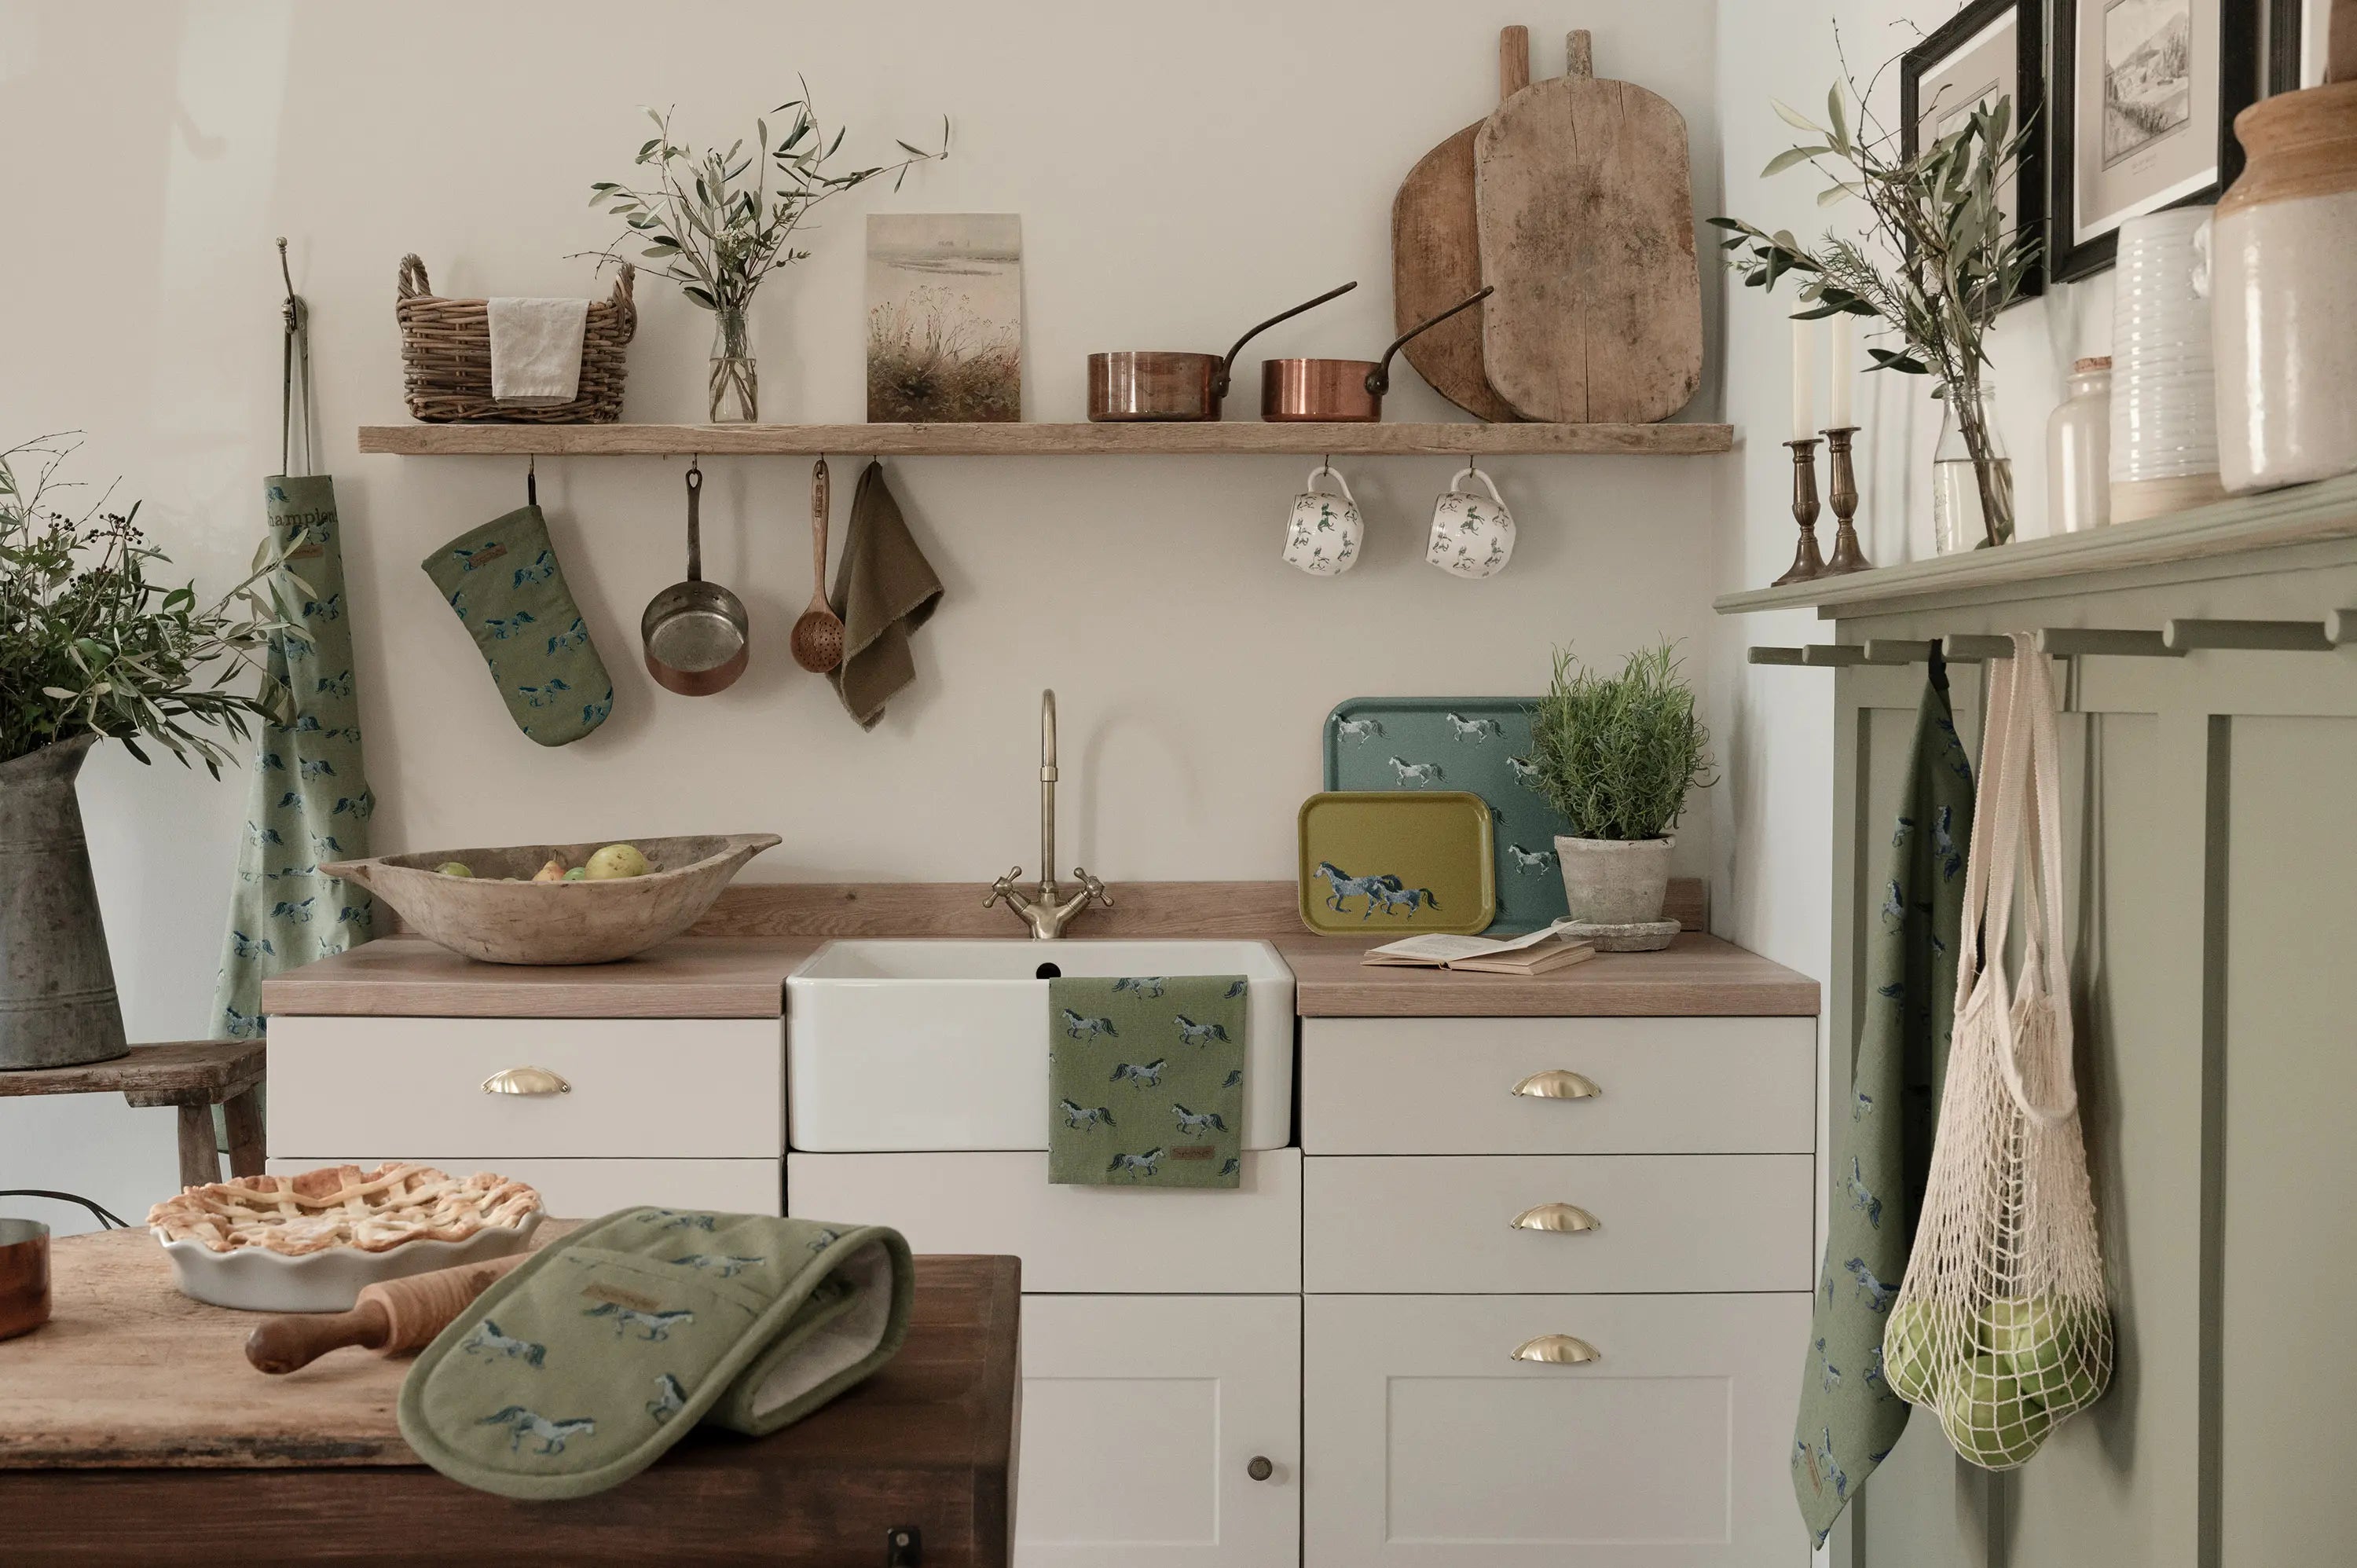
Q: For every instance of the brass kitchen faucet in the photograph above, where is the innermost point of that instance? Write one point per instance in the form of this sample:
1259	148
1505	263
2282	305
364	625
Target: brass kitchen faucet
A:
1042	909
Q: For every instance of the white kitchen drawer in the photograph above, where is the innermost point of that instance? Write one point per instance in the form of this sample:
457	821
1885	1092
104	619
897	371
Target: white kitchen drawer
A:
1445	1086
1142	1416
645	1088
1114	1239
1426	1445
583	1189
1665	1222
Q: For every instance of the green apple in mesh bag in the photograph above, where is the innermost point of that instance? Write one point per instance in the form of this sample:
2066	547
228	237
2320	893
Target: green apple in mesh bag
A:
1989	1416
1911	1356
2047	1344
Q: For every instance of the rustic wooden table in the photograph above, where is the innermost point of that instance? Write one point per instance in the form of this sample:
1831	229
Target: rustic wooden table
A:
194	1075
132	1431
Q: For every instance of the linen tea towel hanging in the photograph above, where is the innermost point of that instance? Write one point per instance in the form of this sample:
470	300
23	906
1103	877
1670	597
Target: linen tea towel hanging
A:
2002	1326
1882	1123
310	797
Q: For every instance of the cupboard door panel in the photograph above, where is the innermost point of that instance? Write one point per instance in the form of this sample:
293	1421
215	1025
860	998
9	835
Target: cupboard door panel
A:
1142	1416
1426	1444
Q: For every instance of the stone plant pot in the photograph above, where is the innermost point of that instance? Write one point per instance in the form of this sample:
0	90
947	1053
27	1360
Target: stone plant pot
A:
58	1006
1614	882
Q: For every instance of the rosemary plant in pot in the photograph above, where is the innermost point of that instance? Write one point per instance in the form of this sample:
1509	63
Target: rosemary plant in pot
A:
1616	754
91	650
714	223
1937	262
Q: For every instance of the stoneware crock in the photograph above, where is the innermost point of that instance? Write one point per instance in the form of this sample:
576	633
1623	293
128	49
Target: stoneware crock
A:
1614	882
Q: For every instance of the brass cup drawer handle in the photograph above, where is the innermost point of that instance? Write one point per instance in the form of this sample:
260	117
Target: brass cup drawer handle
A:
525	1080
1561	1350
1557	1085
1555	1216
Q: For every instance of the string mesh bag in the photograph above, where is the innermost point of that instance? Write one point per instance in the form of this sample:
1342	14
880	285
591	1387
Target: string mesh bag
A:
2001	1325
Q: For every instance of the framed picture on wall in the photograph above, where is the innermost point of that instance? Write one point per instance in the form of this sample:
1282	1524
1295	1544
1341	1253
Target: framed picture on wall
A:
2145	95
1990	49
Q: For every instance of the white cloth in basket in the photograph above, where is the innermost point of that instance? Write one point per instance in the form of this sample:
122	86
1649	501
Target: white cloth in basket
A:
537	350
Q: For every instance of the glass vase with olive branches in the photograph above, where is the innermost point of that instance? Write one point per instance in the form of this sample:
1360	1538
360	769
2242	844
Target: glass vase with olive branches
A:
1937	262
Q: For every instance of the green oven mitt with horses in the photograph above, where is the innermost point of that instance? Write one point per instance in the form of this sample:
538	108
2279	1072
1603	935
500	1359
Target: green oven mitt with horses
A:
574	1372
503	583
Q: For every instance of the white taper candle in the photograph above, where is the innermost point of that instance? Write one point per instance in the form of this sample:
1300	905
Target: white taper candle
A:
1843	372
1805	381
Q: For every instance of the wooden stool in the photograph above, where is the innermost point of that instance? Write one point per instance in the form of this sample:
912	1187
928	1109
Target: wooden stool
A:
196	1076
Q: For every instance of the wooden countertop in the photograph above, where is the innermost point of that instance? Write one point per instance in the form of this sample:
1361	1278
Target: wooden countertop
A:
743	977
130	1373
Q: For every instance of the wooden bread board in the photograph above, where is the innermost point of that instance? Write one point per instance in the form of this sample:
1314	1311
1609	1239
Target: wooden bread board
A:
1583	196
1436	254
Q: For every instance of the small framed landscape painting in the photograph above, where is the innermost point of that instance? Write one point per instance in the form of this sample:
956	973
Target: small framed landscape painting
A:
944	318
2145	95
1988	50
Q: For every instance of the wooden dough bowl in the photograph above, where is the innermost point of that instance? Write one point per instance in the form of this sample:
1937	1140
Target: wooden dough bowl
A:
487	917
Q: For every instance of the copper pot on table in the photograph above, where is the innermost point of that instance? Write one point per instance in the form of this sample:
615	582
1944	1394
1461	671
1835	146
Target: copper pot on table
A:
24	1277
1340	390
1158	384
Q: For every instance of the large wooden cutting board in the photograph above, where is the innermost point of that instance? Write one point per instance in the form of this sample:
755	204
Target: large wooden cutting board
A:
1436	253
1584	208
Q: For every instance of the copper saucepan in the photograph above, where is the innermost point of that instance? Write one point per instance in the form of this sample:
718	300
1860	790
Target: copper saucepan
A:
1154	384
694	631
1343	391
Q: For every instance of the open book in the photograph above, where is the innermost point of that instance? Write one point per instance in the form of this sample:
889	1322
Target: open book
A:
1534	954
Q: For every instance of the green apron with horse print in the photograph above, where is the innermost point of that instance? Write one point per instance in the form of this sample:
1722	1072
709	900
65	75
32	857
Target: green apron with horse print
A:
576	1371
310	797
1883	1122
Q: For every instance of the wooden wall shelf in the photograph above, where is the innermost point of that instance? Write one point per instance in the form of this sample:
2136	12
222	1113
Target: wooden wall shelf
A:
1233	438
2319	513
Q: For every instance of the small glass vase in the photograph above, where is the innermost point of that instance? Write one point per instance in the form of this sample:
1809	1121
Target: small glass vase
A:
736	386
1972	478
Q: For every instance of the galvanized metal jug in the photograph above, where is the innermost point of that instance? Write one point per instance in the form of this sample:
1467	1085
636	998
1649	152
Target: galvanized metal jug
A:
58	1005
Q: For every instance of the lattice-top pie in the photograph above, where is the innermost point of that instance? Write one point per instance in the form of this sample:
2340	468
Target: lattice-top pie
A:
343	1206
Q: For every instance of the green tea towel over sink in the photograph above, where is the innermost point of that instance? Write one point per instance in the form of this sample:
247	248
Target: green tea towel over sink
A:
1145	1075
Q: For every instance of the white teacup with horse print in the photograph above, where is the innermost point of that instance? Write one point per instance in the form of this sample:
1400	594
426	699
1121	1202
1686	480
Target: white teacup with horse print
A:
1470	537
1323	534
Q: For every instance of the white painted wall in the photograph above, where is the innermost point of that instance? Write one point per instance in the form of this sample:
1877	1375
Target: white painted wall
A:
1181	172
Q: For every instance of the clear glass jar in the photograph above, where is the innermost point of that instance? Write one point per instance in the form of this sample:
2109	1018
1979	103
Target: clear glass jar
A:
2079	451
735	389
1972	490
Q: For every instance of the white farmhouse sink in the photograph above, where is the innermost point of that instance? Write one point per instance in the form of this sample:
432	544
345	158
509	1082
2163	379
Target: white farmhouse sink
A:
895	1045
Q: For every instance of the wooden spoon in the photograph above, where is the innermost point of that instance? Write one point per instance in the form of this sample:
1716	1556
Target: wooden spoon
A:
817	636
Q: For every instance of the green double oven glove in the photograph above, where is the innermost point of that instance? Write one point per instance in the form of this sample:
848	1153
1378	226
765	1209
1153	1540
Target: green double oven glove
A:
575	1371
503	583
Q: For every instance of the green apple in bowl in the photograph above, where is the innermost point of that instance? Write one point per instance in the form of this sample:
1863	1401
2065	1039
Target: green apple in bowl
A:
615	861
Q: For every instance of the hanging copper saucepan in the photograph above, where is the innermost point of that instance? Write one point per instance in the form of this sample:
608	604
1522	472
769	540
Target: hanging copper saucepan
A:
1344	390
1153	383
694	630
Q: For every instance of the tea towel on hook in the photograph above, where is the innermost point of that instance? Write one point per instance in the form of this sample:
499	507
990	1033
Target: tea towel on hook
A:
883	590
309	799
1883	1121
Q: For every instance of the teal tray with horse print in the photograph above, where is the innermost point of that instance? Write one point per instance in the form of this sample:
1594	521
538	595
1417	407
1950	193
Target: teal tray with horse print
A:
1381	864
1479	744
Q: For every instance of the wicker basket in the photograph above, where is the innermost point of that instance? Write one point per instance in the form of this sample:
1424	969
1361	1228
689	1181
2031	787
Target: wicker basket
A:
445	357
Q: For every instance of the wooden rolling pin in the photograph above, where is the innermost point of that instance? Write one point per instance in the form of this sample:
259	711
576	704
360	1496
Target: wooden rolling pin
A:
390	1318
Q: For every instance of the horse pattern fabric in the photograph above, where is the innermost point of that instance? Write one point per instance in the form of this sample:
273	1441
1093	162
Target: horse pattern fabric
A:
1883	1125
582	1367
1145	1080
503	583
309	800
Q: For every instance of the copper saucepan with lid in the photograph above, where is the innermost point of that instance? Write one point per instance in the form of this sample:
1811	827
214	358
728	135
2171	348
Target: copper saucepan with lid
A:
1154	384
1342	390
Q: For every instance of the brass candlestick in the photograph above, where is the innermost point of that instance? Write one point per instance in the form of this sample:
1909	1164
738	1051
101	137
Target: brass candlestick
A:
1806	561
1842	491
